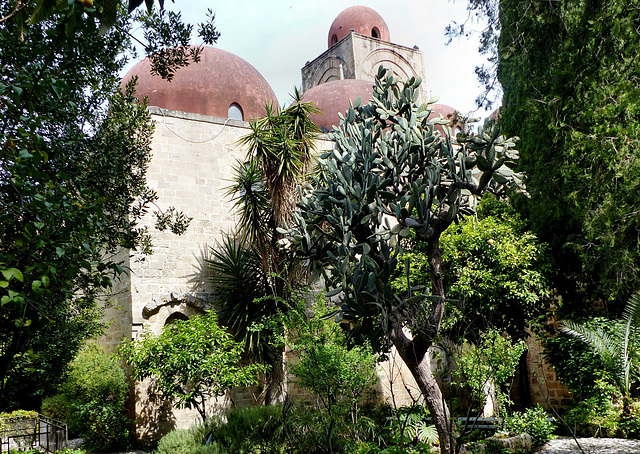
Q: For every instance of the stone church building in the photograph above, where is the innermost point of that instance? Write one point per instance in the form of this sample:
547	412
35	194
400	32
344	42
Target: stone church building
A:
199	118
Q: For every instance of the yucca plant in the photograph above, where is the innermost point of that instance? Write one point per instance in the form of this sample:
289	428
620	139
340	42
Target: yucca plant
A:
242	290
613	349
253	274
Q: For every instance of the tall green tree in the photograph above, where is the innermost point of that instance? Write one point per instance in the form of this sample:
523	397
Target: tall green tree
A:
73	156
570	78
391	172
572	92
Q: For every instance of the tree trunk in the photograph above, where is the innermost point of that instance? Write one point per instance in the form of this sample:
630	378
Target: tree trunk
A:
274	392
416	358
415	351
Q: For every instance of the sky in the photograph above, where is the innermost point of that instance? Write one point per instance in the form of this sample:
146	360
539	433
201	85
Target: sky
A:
278	37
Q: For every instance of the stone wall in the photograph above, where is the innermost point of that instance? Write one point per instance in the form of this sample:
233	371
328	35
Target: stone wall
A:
118	308
192	162
544	386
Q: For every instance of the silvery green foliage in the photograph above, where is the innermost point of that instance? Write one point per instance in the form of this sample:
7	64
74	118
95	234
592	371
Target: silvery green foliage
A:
391	171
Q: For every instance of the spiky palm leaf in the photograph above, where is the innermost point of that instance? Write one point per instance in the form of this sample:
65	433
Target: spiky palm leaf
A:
612	349
251	200
281	143
240	286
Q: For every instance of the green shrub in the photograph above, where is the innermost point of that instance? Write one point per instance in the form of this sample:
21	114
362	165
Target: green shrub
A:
56	407
596	416
299	429
337	375
630	426
180	441
20	424
493	360
534	422
602	416
255	430
12	421
92	400
418	449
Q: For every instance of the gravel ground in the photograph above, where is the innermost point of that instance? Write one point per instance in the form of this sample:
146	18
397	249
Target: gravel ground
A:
590	446
561	445
77	442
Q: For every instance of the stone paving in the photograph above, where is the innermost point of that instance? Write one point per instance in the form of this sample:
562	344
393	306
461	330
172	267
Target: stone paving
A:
565	445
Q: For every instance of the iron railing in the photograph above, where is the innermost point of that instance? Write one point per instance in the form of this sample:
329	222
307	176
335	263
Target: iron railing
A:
40	431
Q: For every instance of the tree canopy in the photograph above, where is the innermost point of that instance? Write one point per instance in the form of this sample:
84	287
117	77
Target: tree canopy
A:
74	154
572	92
570	77
495	272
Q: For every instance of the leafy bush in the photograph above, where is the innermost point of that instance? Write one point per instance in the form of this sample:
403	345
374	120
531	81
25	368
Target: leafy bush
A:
56	407
255	430
192	361
630	426
39	451
534	422
372	448
180	441
601	415
337	375
492	362
595	415
92	400
300	428
19	424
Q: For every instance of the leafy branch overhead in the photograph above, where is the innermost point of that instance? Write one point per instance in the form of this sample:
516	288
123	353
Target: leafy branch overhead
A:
75	148
167	39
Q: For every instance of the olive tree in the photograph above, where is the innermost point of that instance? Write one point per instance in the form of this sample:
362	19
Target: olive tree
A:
391	172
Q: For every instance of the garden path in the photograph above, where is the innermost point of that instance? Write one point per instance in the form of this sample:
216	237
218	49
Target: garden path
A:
566	445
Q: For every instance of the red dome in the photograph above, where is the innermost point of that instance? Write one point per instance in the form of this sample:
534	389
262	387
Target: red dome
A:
334	97
361	19
208	87
447	113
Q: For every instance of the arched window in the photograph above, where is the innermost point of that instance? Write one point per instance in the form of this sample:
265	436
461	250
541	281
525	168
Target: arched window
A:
334	39
375	33
235	112
175	317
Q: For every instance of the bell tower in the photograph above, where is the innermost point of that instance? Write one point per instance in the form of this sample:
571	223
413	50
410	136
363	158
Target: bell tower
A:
359	42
